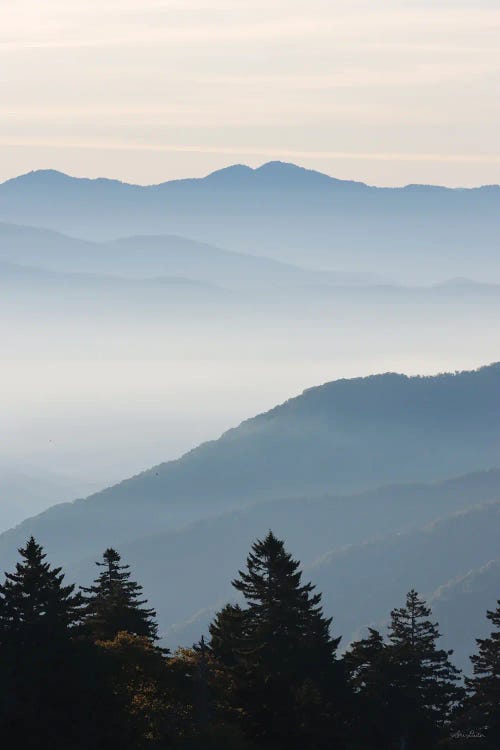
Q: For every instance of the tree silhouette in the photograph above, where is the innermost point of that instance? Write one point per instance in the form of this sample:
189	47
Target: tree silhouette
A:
50	679
370	672
35	606
425	680
286	672
113	603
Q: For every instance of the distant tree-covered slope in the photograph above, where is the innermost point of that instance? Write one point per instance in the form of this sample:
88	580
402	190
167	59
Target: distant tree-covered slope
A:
344	436
350	528
454	562
457	604
434	560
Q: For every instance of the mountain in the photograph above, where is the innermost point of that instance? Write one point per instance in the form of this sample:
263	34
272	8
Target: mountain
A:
40	268
430	559
460	607
454	561
148	257
344	436
281	211
319	531
186	526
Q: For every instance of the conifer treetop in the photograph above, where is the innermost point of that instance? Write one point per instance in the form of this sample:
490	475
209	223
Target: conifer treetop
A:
114	603
35	597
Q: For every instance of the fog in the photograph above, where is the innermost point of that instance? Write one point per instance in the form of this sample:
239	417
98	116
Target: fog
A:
119	354
106	418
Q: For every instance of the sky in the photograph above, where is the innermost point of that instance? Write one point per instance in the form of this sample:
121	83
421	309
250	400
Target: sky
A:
391	92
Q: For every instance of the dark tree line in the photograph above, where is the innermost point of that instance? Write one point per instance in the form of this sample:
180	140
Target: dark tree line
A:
83	669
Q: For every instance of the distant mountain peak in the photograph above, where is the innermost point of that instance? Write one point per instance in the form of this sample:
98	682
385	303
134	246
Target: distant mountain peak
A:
288	169
235	171
41	176
278	173
53	178
276	165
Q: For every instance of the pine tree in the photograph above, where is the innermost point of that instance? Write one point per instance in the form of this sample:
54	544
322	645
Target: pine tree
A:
286	670
113	603
35	606
425	680
370	673
282	614
49	679
484	702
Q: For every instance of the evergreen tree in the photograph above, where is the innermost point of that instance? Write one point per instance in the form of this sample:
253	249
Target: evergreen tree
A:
35	606
370	673
286	672
50	686
113	603
425	680
282	614
484	702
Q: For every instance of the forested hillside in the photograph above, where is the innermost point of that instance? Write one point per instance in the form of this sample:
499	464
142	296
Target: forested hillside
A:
347	435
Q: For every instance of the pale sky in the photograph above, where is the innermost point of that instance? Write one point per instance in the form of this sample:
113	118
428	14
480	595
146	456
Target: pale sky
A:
388	92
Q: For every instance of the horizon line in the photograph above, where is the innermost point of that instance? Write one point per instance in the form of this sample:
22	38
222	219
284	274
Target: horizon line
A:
250	169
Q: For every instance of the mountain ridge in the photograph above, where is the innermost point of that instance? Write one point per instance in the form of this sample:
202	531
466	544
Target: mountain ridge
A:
408	523
152	256
280	211
343	437
271	168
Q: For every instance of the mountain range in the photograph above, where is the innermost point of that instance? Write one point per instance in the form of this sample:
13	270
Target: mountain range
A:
282	211
378	484
40	268
453	561
363	552
343	436
149	256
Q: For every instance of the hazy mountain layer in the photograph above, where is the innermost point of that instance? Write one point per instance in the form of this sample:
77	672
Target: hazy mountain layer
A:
26	490
363	552
454	562
157	257
427	559
422	233
343	436
460	607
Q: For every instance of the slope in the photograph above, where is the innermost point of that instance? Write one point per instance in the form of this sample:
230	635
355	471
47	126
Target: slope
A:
148	256
344	436
191	569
